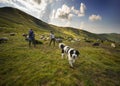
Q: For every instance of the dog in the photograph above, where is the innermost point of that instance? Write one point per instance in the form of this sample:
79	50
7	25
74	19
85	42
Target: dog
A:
71	53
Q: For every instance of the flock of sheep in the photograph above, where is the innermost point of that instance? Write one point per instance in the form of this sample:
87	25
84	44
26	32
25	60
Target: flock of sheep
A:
58	40
5	39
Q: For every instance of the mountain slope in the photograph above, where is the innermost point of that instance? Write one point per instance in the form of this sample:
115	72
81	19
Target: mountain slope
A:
112	37
21	65
14	18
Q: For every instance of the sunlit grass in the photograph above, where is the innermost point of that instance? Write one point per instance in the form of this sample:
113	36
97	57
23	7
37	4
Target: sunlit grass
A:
21	65
43	65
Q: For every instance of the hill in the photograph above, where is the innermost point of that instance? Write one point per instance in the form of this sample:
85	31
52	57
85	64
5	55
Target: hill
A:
14	18
112	37
21	65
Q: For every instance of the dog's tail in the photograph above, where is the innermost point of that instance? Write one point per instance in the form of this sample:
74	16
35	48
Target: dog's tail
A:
61	45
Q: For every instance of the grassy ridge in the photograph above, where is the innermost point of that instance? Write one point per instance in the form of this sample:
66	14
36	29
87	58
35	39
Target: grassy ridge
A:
43	65
21	65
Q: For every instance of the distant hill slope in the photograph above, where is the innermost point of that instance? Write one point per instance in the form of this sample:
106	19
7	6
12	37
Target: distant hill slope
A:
9	17
112	37
20	21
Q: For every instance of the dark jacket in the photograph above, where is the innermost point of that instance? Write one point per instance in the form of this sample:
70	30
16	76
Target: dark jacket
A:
31	35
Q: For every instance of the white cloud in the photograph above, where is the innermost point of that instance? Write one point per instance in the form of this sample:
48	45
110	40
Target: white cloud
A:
74	10
82	25
68	24
63	13
38	1
37	8
82	9
52	16
67	13
42	9
70	16
95	18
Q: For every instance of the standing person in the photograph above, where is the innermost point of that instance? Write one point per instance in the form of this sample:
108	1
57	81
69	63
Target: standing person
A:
52	38
31	38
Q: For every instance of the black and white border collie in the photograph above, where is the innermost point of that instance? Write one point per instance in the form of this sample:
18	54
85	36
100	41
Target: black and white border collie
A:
71	53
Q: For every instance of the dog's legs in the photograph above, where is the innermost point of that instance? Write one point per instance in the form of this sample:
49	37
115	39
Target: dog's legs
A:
66	56
70	60
62	55
71	63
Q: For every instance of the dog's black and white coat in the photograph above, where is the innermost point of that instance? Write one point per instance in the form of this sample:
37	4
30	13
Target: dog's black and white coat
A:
72	54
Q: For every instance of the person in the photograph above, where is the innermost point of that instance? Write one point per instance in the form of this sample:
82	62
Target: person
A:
31	38
52	38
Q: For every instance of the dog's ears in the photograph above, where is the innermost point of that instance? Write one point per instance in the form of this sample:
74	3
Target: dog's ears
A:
72	51
61	45
62	51
77	52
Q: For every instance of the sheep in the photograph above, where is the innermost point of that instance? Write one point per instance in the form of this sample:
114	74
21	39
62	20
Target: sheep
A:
96	44
25	35
12	34
113	45
3	39
58	40
27	38
88	41
42	37
70	39
77	40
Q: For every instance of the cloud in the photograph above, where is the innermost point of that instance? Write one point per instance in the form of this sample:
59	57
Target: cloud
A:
67	13
95	18
74	10
68	24
82	25
63	13
37	8
38	1
52	16
82	9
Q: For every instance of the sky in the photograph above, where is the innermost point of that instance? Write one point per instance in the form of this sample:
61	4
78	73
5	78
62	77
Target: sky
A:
96	16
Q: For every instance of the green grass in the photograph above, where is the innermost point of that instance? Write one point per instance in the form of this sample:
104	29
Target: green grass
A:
43	65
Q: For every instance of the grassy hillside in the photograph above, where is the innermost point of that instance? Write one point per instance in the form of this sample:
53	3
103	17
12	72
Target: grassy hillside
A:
43	65
18	20
112	37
